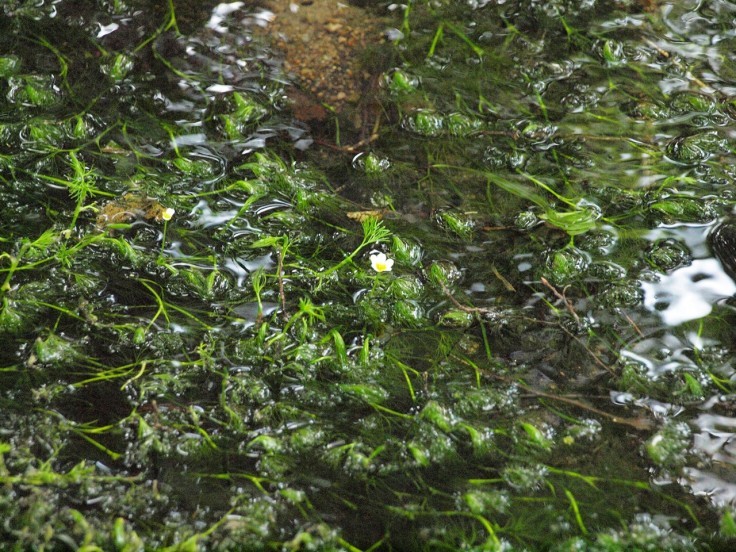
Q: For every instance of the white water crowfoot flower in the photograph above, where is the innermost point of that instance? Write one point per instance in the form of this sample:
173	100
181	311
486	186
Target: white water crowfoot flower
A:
381	263
167	214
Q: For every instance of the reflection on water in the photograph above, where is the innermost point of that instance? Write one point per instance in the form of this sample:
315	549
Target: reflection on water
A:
688	293
719	491
717	437
714	442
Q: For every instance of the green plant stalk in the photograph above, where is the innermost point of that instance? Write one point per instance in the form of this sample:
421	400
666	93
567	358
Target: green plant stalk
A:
576	512
460	34
404	370
163	237
169	24
79	187
148	284
436	39
14	262
99	446
258	281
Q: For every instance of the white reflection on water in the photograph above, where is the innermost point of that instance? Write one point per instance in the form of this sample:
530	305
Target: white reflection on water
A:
666	353
717	437
205	217
706	484
716	440
688	293
220	12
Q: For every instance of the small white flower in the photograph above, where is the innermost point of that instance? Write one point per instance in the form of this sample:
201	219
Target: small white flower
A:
381	263
167	213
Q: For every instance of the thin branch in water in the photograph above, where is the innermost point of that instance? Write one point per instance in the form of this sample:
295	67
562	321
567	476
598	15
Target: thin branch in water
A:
464	308
561	297
501	279
480	311
594	356
640	424
633	325
352	148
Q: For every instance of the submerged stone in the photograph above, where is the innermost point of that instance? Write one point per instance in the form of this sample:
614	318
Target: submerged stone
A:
723	242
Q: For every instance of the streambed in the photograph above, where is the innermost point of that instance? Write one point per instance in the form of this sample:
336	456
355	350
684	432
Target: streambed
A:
205	349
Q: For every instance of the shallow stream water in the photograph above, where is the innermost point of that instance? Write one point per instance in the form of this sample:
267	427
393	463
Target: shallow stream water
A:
204	348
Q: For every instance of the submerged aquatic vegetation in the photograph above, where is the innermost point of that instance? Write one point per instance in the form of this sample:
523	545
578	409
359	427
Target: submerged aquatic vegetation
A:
201	351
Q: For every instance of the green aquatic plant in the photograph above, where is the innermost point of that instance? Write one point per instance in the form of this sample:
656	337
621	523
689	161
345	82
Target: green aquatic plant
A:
668	447
573	222
197	328
373	232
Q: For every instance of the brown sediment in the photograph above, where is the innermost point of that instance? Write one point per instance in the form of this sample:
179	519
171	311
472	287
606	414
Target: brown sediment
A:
322	42
128	208
649	5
